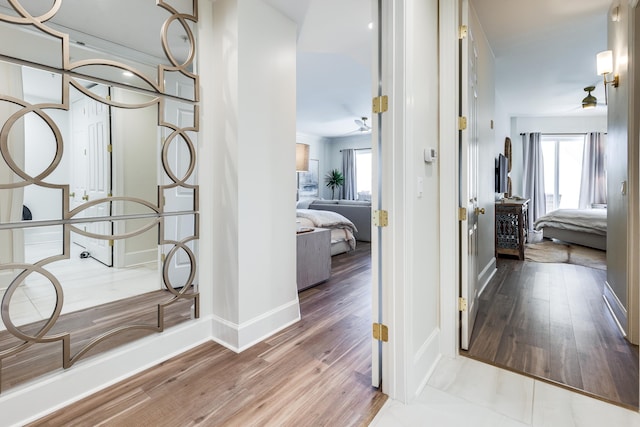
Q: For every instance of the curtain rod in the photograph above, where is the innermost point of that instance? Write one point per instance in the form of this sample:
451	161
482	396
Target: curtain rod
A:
356	149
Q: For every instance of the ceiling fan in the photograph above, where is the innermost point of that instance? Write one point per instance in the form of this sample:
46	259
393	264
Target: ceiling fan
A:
362	124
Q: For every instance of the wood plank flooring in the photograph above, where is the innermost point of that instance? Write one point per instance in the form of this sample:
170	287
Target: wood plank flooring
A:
316	372
549	320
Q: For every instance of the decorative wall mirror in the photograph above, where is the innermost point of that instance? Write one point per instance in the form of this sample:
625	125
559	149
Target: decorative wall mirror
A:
98	179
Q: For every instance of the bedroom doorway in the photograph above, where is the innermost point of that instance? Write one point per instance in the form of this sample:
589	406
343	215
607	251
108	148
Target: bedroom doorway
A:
524	305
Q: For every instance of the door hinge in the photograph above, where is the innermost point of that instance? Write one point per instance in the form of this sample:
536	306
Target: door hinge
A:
111	242
380	332
462	214
462	123
380	104
462	31
162	257
462	304
109	194
380	218
108	97
110	148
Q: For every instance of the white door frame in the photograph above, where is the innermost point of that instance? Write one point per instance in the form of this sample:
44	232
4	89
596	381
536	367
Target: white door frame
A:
394	364
449	179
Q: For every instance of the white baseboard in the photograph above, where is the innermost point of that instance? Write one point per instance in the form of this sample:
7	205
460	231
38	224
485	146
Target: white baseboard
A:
149	256
424	362
617	310
487	274
239	337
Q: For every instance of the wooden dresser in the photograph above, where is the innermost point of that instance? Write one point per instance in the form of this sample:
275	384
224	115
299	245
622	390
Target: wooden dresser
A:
511	227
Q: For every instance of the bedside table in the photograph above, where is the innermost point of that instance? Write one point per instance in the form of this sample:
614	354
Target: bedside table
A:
511	227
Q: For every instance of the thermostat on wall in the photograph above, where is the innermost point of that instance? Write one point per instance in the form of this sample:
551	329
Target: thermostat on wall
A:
430	154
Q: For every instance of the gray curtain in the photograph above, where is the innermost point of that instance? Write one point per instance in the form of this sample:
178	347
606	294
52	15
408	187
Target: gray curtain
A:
533	176
349	191
593	186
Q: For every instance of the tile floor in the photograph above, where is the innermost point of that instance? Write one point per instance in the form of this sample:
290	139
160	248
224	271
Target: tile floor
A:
465	392
86	283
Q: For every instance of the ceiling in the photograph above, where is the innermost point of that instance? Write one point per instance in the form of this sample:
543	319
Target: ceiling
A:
544	53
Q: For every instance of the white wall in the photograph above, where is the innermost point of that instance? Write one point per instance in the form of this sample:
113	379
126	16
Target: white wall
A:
617	157
254	186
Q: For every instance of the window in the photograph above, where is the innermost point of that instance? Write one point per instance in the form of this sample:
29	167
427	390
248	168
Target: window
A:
363	174
562	156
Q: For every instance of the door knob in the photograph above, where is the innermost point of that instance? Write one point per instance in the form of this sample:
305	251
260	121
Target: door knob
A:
479	211
72	194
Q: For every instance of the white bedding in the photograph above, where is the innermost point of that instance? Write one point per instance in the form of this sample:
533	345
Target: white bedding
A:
342	229
592	221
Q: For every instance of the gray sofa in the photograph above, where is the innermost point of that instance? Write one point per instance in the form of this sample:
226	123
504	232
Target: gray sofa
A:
358	212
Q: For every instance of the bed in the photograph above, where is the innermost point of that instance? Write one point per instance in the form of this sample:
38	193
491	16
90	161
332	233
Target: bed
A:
342	229
586	227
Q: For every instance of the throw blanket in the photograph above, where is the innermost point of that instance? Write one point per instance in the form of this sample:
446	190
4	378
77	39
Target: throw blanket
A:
588	220
342	228
326	219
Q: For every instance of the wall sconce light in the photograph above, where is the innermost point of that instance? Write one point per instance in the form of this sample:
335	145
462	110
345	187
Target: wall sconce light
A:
589	101
604	65
302	157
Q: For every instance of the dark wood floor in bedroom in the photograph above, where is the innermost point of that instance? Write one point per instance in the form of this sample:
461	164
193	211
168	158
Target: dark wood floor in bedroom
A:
549	320
316	372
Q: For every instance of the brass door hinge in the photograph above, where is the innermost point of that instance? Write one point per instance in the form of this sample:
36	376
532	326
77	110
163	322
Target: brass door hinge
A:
380	104
111	242
462	304
109	194
380	332
380	218
162	257
462	31
108	97
462	214
110	148
462	123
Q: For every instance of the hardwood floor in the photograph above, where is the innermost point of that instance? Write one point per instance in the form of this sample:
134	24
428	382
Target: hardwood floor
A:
316	372
549	320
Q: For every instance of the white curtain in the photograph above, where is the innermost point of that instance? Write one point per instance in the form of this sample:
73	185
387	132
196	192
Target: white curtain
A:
349	191
593	186
533	176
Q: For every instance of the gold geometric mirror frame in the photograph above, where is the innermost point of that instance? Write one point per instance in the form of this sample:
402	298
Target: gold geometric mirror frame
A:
179	177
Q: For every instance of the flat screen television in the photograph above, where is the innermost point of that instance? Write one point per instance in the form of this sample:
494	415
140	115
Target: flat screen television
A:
502	180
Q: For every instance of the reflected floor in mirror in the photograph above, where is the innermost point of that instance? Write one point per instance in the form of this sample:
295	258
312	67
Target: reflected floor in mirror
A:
85	282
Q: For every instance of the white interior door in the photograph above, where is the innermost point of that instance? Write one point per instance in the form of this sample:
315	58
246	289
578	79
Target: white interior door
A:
178	198
468	179
91	171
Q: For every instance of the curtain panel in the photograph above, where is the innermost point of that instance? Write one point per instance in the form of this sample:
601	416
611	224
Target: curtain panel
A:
349	191
533	176
593	185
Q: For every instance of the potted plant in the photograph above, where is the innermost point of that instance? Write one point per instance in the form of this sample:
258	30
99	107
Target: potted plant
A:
334	179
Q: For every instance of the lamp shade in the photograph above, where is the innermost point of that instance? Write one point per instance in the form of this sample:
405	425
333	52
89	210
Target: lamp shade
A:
302	157
604	62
